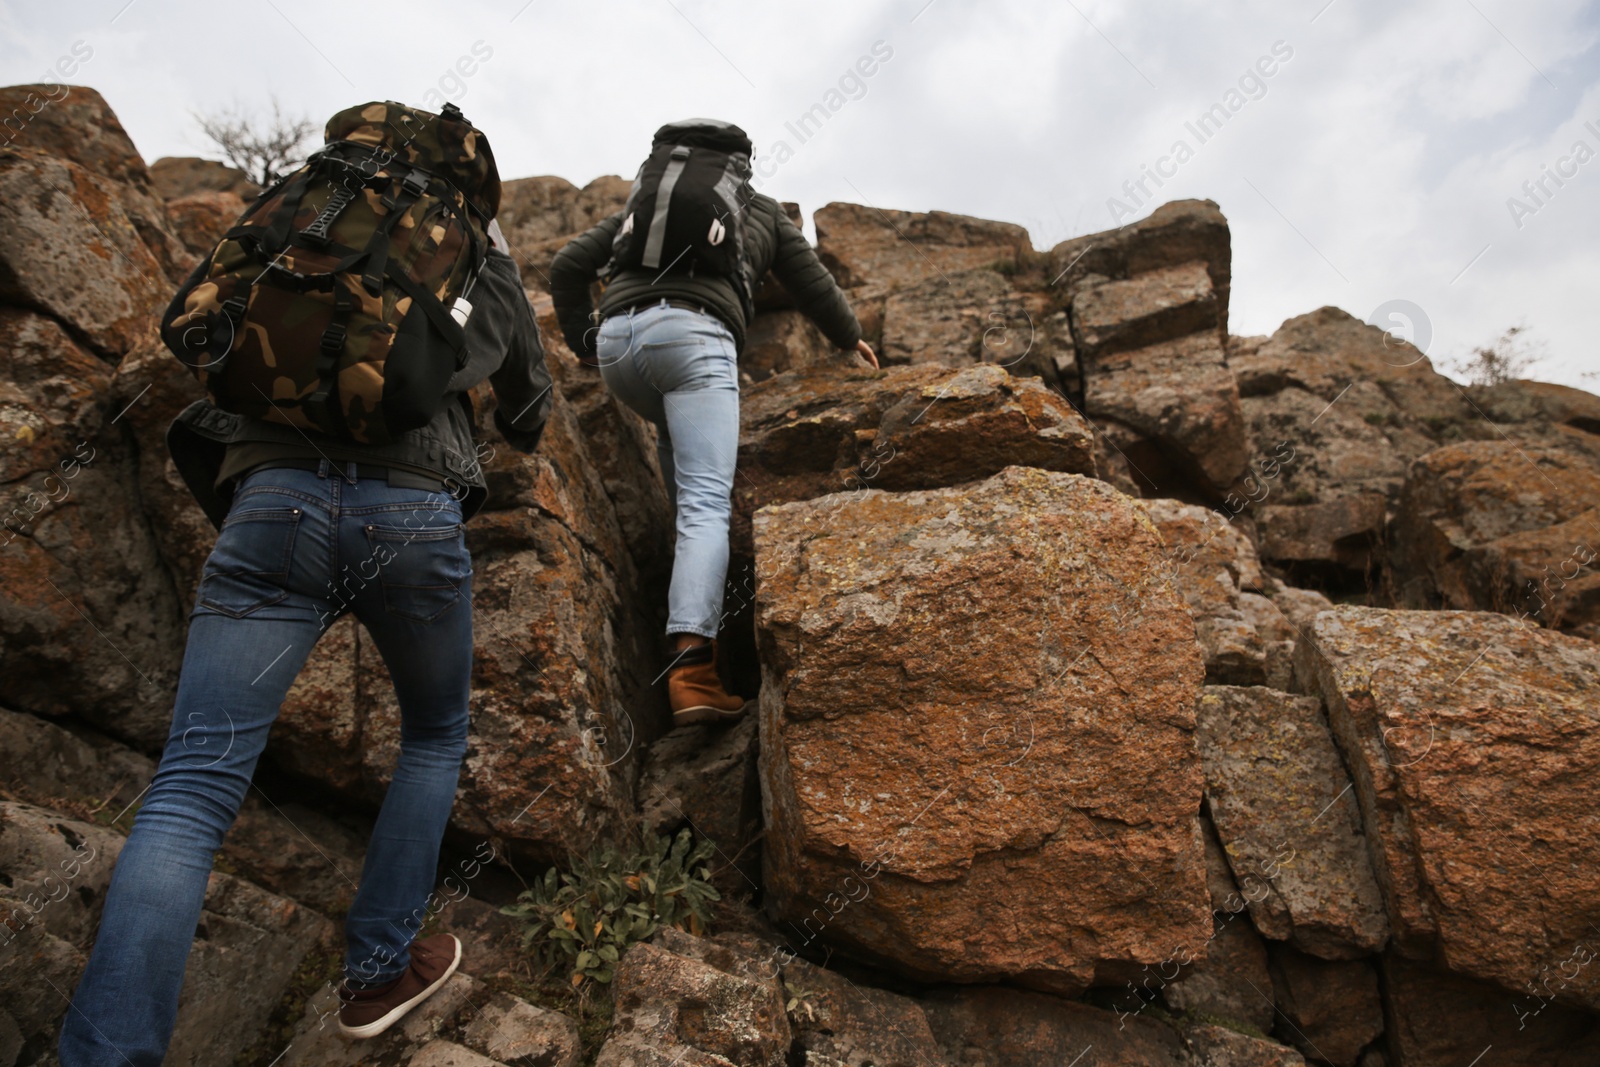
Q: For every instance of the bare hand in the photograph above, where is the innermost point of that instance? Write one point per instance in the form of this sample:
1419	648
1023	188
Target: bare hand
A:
864	350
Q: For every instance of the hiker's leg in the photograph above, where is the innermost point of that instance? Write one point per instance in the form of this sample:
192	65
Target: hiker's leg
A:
249	635
701	403
678	368
630	373
419	613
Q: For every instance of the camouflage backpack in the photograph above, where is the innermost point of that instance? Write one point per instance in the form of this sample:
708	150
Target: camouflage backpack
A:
336	301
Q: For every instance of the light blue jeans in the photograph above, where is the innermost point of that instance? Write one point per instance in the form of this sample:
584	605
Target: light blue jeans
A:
298	549
678	368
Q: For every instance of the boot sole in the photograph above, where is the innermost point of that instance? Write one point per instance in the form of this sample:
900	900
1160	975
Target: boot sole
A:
705	713
398	1012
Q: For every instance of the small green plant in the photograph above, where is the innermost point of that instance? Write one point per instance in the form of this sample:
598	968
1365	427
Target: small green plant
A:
583	918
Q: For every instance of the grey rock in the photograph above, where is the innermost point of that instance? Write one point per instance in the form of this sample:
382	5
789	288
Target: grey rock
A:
1288	819
513	1031
705	778
856	1025
1218	1046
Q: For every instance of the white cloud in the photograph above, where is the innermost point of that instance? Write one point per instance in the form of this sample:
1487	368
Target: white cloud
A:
1386	147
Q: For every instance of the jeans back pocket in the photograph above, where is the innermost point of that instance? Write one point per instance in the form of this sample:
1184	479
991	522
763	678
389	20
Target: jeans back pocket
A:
248	568
422	570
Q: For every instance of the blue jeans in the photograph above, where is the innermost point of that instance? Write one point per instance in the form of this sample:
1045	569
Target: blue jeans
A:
678	368
298	549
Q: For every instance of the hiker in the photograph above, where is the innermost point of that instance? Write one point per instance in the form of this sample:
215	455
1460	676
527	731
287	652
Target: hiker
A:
681	262
346	491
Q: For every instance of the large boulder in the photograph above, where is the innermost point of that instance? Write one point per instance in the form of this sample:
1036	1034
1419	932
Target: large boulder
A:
865	246
972	698
539	215
806	435
178	177
55	871
80	127
1469	737
1280	799
1356	406
1175	233
1494	526
1148	305
88	621
73	253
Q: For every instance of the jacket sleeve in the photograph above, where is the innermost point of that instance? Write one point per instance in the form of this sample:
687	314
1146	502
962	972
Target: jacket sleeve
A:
522	381
801	273
572	272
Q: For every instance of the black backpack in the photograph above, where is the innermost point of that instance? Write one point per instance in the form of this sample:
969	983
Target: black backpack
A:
686	212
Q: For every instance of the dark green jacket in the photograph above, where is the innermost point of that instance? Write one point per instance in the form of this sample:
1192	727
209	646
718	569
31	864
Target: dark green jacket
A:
502	345
772	243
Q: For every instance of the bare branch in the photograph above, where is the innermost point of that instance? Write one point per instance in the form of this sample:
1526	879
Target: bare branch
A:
263	149
1506	358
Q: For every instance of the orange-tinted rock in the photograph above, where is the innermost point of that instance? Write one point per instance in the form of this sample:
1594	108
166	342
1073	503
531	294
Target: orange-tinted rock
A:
1357	406
539	215
72	251
894	249
80	127
786	340
1498	527
1174	233
971	699
88	622
200	219
1282	804
1180	397
176	177
1246	640
1471	738
805	435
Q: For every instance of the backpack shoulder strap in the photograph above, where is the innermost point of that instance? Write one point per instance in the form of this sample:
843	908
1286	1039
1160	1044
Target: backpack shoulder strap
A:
656	237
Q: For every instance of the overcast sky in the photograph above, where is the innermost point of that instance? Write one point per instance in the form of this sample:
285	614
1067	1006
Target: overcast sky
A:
1376	162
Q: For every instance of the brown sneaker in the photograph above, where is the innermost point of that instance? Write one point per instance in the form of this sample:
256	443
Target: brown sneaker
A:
369	1012
696	692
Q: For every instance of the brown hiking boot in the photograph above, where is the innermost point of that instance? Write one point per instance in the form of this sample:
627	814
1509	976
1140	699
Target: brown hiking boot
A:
696	692
369	1012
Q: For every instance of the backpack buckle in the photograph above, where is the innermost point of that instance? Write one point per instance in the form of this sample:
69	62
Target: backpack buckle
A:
415	182
333	339
234	308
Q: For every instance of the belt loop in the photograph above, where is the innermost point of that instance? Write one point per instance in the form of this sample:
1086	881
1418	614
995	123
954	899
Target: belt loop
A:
322	467
350	472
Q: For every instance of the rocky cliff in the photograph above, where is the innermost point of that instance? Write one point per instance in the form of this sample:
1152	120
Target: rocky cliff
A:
1131	692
